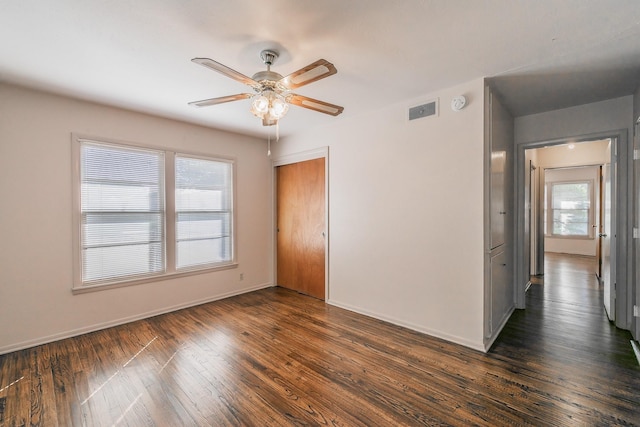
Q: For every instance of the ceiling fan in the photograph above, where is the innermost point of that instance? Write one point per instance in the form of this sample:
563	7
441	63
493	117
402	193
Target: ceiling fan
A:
272	92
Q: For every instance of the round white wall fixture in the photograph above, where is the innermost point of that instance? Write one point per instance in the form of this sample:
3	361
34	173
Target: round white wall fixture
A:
458	103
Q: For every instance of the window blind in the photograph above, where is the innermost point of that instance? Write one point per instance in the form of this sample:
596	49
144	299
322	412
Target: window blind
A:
122	212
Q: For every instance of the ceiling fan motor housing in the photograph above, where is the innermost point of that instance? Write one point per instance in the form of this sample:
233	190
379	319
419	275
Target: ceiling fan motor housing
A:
268	79
266	75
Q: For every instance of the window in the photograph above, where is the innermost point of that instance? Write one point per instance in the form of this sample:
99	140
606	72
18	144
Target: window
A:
122	211
203	212
128	229
570	209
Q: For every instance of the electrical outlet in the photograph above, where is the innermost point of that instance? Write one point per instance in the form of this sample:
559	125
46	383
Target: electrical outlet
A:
241	276
636	312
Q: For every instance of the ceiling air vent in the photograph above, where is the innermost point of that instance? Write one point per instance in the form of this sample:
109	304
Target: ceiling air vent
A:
425	110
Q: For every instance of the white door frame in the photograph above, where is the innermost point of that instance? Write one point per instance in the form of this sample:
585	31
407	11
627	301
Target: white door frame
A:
622	220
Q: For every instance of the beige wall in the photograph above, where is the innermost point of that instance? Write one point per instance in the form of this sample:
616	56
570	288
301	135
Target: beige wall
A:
583	153
36	303
406	214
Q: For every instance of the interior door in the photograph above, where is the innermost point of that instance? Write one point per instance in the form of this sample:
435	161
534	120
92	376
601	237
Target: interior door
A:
540	219
605	243
300	206
533	219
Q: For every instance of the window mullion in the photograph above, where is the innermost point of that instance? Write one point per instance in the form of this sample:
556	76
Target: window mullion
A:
170	211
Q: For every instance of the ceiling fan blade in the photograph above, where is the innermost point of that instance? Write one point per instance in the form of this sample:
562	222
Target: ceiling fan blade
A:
220	100
223	69
309	74
314	104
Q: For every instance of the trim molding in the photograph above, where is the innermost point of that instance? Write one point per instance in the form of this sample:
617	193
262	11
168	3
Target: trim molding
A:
99	326
301	156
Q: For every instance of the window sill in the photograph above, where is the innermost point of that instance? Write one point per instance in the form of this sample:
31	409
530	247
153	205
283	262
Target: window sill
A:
138	281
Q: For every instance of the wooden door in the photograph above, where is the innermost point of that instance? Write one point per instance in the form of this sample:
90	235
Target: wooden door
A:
300	204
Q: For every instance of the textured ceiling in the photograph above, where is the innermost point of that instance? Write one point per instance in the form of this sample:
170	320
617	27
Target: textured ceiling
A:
541	55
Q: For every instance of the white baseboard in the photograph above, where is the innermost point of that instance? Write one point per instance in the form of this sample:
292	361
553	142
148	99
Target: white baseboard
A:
96	327
409	325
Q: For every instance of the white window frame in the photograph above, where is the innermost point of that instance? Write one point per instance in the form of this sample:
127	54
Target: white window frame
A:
170	217
549	210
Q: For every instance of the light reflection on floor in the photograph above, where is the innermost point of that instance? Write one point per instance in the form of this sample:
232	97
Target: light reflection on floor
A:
101	386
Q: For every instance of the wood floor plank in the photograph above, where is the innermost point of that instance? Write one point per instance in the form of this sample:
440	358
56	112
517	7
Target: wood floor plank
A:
15	385
43	411
274	357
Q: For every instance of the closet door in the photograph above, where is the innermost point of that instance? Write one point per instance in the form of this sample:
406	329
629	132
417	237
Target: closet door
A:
300	199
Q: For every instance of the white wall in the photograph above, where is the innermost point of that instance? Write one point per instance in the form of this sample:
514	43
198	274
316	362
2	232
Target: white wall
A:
36	303
406	214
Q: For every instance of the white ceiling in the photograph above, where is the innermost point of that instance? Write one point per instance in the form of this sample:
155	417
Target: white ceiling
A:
542	54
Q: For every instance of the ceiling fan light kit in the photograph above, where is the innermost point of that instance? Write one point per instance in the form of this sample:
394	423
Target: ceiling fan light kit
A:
273	95
269	106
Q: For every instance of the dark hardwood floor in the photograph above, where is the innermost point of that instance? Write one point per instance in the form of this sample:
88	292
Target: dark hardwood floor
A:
275	357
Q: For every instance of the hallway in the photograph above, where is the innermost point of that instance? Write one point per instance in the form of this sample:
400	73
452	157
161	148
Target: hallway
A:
564	337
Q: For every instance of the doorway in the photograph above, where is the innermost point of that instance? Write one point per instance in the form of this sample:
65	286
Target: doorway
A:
570	207
530	247
301	224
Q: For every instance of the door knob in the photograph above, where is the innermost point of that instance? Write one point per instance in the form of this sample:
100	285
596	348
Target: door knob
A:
602	235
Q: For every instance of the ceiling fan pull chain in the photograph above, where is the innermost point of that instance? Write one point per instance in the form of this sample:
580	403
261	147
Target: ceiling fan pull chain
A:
278	130
269	144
